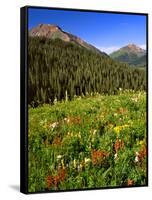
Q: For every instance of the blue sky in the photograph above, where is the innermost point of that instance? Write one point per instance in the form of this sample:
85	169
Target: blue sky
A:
106	31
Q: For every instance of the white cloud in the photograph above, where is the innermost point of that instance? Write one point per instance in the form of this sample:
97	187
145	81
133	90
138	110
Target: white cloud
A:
143	46
109	50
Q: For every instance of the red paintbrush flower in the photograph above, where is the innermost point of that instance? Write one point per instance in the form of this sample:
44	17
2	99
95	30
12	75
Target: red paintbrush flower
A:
49	182
142	153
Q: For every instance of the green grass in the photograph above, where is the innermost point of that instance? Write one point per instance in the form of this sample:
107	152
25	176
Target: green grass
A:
90	142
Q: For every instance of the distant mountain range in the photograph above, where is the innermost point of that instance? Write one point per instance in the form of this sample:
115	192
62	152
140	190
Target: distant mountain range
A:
62	65
55	32
131	54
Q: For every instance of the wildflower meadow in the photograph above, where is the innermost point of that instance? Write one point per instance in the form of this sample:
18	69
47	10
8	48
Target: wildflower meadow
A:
90	142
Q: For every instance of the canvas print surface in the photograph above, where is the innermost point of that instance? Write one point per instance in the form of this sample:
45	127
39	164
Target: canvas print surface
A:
87	100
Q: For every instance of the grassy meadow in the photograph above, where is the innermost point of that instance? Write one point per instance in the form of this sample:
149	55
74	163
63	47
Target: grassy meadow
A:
90	142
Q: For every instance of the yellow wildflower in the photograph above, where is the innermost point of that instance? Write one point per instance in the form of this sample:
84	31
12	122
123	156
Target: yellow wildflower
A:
62	163
81	166
59	157
87	160
79	135
117	129
141	142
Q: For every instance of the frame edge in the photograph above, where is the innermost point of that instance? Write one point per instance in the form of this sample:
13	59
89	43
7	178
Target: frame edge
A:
23	101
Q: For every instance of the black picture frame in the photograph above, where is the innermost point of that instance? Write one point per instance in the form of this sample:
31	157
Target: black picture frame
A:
24	94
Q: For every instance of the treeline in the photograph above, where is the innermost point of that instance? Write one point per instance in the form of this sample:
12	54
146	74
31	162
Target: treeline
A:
58	69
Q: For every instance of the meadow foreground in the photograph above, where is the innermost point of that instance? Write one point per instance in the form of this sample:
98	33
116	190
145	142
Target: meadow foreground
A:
90	142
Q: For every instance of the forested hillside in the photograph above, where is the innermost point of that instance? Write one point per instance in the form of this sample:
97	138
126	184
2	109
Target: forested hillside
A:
61	70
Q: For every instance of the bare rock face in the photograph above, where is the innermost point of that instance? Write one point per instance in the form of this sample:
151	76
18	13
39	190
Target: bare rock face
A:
48	31
134	49
52	32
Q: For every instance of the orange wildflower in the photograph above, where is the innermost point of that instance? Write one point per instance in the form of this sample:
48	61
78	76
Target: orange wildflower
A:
98	156
118	145
62	174
54	181
130	182
49	181
57	141
142	153
122	110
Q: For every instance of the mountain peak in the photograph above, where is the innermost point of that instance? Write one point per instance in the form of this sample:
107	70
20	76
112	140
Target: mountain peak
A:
131	45
131	54
45	30
135	48
49	26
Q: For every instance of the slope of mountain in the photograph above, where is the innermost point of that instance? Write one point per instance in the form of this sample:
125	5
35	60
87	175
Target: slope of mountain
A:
131	54
141	61
62	66
55	32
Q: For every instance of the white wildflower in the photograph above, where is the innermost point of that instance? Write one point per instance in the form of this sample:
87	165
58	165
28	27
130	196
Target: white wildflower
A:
65	119
55	101
54	125
59	157
115	156
78	168
94	132
74	163
135	99
137	158
62	163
